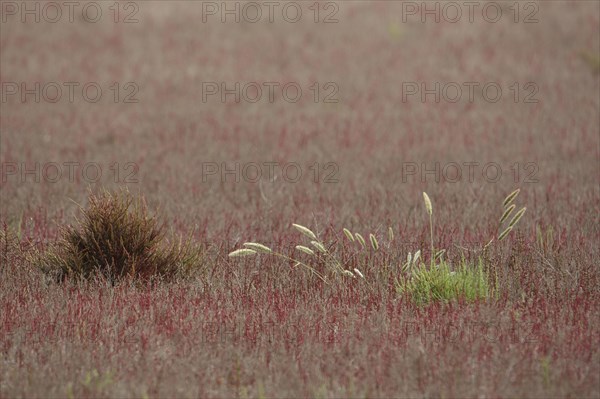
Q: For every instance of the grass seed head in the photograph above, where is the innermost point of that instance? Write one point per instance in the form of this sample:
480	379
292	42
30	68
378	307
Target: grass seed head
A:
305	230
517	217
374	242
428	205
416	257
439	254
510	198
304	249
348	273
348	234
319	246
359	273
406	267
360	239
504	233
507	213
258	247
242	252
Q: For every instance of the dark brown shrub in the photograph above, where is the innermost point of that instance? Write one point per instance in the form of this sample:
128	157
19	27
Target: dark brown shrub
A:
117	238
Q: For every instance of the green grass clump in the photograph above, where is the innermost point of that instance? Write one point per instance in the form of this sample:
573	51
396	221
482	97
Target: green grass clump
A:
118	238
441	283
437	281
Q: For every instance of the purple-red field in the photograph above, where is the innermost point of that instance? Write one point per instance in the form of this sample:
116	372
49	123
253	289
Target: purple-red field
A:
330	115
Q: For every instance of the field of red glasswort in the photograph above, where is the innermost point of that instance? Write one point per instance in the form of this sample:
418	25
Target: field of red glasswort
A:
323	199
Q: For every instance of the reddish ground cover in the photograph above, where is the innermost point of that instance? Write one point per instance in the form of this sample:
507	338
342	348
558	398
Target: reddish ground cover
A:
355	150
